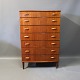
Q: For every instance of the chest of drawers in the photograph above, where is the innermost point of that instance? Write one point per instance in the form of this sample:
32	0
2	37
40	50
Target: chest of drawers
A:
40	36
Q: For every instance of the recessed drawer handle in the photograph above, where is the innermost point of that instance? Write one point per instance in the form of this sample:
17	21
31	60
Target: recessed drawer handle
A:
26	14
52	57
26	36
26	28
26	44
53	43
53	14
52	36
26	20
27	57
52	50
53	20
27	51
53	28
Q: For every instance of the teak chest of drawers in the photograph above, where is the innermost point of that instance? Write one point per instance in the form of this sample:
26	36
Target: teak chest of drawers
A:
40	36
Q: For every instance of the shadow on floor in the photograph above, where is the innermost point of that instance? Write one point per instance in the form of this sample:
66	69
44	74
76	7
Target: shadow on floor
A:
51	64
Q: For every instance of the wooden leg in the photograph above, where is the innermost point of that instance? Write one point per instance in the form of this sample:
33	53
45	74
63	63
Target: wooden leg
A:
23	64
57	65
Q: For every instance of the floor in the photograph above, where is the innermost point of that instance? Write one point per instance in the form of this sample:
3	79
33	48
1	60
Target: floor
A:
11	69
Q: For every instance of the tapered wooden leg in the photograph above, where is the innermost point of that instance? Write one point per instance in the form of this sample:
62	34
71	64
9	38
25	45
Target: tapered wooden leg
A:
57	64
23	64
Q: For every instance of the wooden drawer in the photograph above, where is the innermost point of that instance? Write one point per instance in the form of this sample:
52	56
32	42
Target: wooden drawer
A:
40	44
41	36
41	58
32	29
40	14
29	14
39	21
35	44
40	50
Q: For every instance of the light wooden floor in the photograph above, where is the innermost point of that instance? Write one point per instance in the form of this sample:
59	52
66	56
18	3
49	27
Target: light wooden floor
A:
11	69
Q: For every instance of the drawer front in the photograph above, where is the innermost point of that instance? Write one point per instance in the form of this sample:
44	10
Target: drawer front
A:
40	50
43	58
32	29
39	44
40	14
39	21
41	36
34	44
29	14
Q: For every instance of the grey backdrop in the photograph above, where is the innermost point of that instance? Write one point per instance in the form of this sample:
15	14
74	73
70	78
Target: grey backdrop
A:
9	25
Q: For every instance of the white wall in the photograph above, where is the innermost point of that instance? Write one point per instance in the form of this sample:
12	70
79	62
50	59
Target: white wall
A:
9	24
